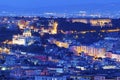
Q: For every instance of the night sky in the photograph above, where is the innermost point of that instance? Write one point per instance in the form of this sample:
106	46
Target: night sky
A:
58	5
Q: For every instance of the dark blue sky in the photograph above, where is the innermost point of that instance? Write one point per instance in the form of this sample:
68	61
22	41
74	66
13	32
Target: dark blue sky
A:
59	5
35	3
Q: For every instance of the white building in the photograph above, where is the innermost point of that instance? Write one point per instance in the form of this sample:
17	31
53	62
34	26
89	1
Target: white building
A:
25	39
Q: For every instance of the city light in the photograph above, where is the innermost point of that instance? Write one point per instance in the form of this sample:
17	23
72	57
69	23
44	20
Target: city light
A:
59	40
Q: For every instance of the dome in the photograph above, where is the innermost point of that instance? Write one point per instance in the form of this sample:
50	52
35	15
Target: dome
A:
26	30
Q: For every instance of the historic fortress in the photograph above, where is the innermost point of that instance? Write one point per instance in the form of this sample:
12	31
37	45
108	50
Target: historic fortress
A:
95	22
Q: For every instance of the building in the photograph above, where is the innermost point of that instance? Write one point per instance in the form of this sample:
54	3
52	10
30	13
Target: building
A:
89	77
53	27
113	56
88	50
22	24
95	22
4	50
59	43
101	22
80	20
106	78
25	39
50	78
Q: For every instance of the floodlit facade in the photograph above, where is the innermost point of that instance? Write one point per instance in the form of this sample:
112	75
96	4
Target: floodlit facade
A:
25	39
91	51
53	28
95	22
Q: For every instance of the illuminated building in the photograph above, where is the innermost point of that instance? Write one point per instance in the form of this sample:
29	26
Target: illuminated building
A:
109	67
95	22
25	39
58	43
53	28
1	50
101	22
113	56
96	52
80	20
4	50
62	44
91	51
22	24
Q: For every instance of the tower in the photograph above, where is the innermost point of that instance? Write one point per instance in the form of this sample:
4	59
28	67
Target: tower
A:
54	28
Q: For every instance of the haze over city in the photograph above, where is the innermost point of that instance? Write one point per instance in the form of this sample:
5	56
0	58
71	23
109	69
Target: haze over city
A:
59	6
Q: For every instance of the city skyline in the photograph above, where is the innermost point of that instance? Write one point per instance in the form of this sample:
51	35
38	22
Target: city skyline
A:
59	6
59	40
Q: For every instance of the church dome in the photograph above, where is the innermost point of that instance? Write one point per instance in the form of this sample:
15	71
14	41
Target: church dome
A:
26	30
